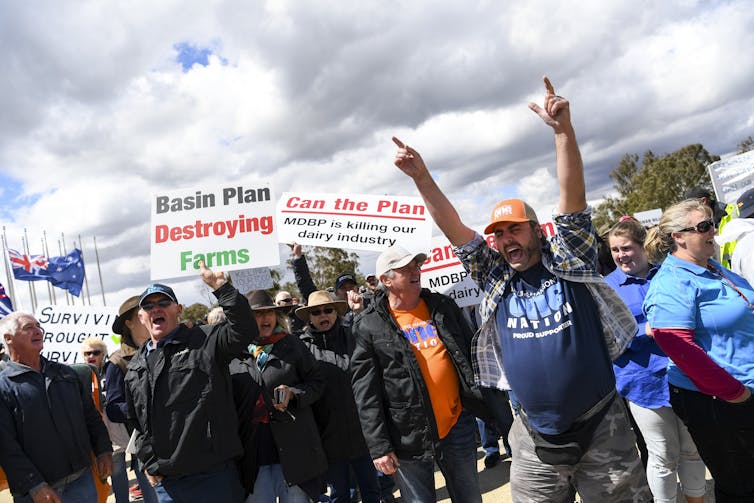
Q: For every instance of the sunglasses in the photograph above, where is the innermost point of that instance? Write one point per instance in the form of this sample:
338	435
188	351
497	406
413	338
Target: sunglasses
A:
287	301
95	352
148	306
701	227
327	310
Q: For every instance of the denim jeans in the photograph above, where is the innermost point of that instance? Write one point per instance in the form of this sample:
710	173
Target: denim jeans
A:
217	484
338	475
456	457
81	490
724	435
119	478
147	491
498	403
270	484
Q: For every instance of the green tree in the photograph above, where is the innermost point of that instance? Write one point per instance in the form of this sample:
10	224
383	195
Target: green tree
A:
194	312
326	264
746	145
659	182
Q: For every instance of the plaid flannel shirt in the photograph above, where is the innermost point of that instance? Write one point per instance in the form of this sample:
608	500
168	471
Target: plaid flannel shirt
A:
570	255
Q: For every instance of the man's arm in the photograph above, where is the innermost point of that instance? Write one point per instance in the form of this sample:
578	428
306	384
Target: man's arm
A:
556	113
304	281
443	213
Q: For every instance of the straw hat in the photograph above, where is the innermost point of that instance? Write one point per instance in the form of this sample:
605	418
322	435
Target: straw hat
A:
318	299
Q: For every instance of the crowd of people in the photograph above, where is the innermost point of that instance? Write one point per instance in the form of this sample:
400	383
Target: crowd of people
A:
617	386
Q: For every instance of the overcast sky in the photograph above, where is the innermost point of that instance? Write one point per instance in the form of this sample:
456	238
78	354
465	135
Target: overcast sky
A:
105	103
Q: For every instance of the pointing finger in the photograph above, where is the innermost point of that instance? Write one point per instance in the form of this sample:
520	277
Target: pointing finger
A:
398	142
548	86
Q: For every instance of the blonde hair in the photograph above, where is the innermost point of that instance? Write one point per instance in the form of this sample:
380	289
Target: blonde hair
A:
94	343
660	240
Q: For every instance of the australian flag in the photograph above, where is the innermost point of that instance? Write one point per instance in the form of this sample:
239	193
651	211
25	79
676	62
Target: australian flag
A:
5	305
66	272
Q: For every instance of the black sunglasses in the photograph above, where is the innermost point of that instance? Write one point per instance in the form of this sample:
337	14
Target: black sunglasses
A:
148	306
327	310
287	301
701	227
95	352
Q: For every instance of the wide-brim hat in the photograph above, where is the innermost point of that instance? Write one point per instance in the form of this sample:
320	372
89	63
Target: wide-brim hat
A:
260	300
320	298
124	313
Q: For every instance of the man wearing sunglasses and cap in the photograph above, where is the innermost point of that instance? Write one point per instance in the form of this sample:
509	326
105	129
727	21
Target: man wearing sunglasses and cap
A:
550	328
179	395
412	379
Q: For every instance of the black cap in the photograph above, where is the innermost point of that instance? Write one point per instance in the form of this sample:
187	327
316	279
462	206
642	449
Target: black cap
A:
745	204
157	288
344	278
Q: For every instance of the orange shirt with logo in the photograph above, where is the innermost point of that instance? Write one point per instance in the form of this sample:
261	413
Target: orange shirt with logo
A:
434	361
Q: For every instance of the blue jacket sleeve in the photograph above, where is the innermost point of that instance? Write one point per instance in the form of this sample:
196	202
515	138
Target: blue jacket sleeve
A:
115	405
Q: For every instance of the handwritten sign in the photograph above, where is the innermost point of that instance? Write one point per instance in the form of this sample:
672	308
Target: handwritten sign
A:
247	280
229	228
359	222
732	176
66	327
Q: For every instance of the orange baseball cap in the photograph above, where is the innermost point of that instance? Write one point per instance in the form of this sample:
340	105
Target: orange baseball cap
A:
511	210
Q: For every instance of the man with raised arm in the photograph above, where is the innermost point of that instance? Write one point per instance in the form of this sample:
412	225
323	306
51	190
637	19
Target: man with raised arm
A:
550	327
179	395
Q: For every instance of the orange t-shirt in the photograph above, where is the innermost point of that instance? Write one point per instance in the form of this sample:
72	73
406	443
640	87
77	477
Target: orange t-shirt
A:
434	361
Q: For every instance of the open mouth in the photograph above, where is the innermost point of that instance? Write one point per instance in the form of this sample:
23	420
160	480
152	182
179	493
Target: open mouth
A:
515	254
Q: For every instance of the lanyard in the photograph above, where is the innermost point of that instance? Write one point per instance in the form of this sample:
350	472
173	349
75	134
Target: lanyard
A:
719	274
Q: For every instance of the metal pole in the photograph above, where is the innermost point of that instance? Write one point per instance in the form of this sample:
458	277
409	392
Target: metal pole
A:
32	290
47	254
8	272
86	280
99	271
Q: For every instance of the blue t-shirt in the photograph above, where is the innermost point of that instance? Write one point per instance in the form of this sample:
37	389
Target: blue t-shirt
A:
553	351
641	371
686	295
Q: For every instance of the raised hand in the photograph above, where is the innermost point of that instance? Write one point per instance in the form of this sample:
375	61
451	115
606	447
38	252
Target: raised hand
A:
555	111
408	160
213	279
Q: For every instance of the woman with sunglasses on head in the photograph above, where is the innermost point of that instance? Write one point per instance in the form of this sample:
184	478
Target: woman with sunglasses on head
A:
274	389
701	315
641	378
332	344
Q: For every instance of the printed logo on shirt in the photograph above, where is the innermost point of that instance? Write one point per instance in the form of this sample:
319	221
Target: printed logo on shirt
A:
421	335
538	314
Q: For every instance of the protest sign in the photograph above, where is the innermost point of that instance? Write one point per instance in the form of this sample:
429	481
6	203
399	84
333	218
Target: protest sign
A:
649	218
65	328
359	222
442	272
732	176
229	227
247	280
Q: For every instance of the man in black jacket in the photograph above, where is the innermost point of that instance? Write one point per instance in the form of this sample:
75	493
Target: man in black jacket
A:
48	422
179	394
412	380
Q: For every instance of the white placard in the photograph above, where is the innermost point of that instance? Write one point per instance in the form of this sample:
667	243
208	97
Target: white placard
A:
649	218
443	273
230	227
247	280
733	176
66	327
357	221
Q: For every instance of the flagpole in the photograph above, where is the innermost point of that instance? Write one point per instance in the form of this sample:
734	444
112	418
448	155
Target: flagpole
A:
86	280
61	251
8	273
99	271
47	254
32	289
49	285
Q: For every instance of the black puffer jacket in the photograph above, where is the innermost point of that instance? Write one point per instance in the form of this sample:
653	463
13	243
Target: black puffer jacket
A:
183	409
393	401
299	446
335	411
